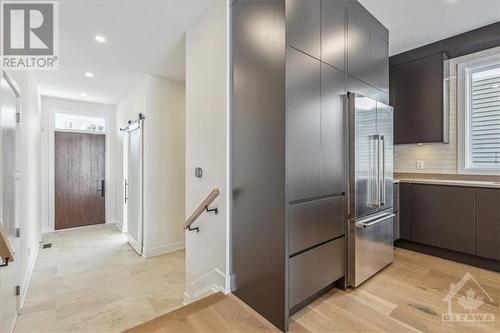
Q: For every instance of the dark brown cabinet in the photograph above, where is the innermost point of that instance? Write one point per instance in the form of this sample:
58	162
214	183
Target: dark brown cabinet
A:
488	223
417	97
404	211
465	220
443	216
304	25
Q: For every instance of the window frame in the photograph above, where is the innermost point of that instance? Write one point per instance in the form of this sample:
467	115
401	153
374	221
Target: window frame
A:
464	92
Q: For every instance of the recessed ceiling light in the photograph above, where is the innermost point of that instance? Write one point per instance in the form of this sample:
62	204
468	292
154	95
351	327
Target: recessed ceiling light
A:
100	39
89	74
83	94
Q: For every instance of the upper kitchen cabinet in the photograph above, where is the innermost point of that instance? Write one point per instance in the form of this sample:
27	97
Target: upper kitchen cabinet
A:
303	26
379	61
358	46
333	13
367	48
417	96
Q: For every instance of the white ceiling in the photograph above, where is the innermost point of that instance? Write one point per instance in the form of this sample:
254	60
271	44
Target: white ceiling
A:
413	23
143	37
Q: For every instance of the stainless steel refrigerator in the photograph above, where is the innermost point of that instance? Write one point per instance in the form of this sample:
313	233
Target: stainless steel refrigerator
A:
370	197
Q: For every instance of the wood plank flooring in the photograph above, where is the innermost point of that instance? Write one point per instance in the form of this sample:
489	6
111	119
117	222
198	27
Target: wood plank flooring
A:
407	296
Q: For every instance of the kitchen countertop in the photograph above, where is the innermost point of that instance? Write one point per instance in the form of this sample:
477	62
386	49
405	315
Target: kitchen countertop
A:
471	183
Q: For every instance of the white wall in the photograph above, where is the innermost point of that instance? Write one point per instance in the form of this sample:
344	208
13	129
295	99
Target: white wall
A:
206	256
50	105
162	102
29	185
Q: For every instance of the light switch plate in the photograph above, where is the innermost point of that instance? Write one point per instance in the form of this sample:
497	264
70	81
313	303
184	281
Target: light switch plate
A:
420	165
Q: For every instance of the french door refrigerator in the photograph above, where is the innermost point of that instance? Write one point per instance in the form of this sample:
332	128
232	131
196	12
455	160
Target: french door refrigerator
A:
370	187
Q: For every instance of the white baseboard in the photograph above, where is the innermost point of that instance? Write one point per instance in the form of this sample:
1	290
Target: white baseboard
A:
117	223
27	278
162	249
212	282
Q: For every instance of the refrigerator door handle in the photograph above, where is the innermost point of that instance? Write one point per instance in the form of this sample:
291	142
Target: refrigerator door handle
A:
378	201
367	224
382	170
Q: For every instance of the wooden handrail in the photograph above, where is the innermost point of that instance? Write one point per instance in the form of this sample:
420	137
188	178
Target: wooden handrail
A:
5	248
203	206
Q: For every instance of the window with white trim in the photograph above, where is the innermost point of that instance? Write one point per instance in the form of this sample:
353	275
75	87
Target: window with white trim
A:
480	116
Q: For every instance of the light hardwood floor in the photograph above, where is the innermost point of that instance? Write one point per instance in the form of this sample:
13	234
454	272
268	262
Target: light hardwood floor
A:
92	281
407	296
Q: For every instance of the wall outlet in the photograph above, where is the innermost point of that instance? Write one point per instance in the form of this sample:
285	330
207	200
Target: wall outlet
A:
420	165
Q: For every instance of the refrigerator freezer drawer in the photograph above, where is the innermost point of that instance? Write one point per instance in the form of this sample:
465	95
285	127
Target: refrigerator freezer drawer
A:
314	222
315	269
373	247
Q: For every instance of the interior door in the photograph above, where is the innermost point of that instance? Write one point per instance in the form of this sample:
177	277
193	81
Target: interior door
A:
9	139
79	179
133	187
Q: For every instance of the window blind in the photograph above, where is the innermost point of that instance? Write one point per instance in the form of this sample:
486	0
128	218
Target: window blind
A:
485	120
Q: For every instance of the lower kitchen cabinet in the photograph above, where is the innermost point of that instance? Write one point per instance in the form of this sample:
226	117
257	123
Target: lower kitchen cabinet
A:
314	222
404	211
395	192
488	223
443	216
465	220
316	269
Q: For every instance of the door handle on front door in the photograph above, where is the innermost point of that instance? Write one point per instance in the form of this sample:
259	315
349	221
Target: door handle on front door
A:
102	188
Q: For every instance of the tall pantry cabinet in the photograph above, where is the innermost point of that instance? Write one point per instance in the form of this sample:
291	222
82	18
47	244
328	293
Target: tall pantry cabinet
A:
293	62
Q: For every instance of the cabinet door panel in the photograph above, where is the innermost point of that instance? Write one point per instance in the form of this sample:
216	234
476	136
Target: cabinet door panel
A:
357	86
303	20
488	223
404	211
333	33
443	216
379	61
313	222
333	174
417	96
304	126
358	46
315	269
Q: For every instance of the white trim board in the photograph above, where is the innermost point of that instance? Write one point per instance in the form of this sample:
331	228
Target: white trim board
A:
210	283
162	249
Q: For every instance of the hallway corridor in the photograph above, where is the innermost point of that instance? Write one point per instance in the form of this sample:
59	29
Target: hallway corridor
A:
91	280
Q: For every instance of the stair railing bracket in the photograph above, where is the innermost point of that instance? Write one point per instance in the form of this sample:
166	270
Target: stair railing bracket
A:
215	210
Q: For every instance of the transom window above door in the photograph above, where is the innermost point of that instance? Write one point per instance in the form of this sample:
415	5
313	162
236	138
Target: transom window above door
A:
79	123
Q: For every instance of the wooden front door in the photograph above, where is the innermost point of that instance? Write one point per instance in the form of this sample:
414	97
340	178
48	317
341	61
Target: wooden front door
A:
79	179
